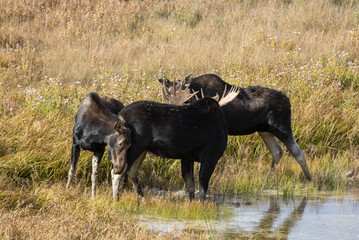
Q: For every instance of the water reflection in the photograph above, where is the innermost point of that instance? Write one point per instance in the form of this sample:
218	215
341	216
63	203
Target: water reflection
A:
265	229
273	217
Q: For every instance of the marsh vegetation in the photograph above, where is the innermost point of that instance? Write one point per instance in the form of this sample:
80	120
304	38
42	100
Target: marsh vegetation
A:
52	53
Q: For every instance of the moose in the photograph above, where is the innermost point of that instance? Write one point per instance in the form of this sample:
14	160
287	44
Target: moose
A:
255	109
196	132
96	126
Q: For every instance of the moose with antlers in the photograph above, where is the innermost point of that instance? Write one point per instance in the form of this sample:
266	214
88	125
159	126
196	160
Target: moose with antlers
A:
255	109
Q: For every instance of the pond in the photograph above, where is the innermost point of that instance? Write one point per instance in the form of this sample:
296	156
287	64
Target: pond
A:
274	217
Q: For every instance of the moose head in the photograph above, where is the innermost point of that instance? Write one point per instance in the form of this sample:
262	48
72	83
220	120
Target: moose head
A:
119	143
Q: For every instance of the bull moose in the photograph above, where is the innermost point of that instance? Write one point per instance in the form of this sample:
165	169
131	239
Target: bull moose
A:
255	109
96	125
197	132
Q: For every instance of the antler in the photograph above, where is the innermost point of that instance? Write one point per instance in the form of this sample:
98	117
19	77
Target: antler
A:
164	95
232	94
177	95
226	97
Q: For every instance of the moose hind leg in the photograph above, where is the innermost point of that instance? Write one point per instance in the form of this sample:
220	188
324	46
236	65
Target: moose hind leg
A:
132	173
187	174
205	173
274	148
96	159
298	154
75	154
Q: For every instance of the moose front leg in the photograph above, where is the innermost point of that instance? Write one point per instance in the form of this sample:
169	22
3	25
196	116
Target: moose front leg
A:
187	174
117	182
132	173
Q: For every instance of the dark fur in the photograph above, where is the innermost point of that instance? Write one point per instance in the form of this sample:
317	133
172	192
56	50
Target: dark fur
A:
112	105
94	129
93	121
197	132
256	109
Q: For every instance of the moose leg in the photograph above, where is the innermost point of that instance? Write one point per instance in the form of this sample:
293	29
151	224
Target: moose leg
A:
187	174
75	154
298	154
132	173
274	148
205	173
117	181
96	159
133	158
292	219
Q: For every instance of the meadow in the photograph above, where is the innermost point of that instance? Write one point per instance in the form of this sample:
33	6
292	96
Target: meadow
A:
52	53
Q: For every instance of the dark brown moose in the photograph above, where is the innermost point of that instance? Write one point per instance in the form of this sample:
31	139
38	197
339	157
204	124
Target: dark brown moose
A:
196	132
255	109
97	125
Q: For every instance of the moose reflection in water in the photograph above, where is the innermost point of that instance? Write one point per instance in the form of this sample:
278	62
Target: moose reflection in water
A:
265	230
270	225
255	109
250	219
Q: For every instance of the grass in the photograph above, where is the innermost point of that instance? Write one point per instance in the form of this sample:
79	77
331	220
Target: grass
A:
74	215
44	196
52	53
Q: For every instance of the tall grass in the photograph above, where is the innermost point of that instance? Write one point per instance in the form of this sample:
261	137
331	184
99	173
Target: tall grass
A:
45	211
52	53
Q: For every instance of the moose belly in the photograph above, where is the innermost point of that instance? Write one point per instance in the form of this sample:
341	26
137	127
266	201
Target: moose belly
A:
166	150
244	123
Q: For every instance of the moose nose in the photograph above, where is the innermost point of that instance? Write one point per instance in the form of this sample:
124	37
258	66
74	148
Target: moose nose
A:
118	168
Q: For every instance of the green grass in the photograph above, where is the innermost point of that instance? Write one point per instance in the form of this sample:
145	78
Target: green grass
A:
75	215
53	53
42	197
36	138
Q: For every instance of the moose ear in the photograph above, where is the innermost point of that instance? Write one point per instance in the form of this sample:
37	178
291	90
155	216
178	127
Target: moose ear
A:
187	80
118	126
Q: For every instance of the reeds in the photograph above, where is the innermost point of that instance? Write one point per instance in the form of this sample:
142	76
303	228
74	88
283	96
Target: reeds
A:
52	53
45	211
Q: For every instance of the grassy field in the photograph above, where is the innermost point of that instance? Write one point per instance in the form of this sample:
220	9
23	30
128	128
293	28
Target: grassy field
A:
52	53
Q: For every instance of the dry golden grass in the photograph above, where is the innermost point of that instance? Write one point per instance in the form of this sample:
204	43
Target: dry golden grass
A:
52	53
45	211
79	40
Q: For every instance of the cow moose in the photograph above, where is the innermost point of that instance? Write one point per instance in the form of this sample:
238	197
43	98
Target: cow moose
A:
255	109
96	125
196	132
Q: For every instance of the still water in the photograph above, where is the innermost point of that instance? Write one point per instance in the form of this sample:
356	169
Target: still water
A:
274	217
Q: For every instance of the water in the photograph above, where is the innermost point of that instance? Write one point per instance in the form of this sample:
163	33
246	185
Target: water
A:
274	217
